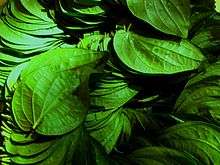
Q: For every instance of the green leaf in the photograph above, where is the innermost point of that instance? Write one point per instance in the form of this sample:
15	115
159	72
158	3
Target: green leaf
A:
94	41
44	99
208	38
161	156
77	147
35	8
28	149
63	101
108	126
196	138
168	16
29	29
20	137
217	6
200	96
25	43
9	59
86	150
154	56
14	75
96	10
109	92
77	15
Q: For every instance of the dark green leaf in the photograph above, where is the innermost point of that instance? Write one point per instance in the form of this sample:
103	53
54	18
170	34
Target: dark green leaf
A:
196	138
208	38
107	127
168	16
110	92
201	95
161	156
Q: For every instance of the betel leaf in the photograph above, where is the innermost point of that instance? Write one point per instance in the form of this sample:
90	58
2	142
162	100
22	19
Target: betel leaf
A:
29	25
25	43
109	92
201	95
63	102
217	6
28	149
94	41
196	138
207	38
161	156
35	9
19	137
168	16
44	99
108	127
79	17
154	56
8	60
86	150
14	75
77	147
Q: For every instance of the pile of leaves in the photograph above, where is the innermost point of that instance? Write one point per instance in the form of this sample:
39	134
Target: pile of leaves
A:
110	82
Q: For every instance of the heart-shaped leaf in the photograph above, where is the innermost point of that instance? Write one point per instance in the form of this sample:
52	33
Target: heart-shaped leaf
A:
154	56
44	99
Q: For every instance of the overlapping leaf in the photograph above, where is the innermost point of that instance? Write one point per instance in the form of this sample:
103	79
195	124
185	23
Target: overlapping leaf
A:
94	41
66	149
153	56
168	16
9	59
25	32
201	95
207	36
161	155
108	127
40	100
28	29
68	105
79	15
109	93
196	138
